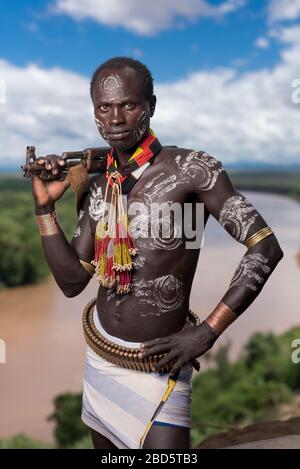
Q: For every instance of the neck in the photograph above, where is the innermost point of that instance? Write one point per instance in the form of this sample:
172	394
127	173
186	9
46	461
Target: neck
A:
124	155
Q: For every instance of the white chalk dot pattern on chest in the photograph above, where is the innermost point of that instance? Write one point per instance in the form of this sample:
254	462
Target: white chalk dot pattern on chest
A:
139	261
77	232
204	168
164	293
250	271
81	213
236	216
112	295
158	187
97	206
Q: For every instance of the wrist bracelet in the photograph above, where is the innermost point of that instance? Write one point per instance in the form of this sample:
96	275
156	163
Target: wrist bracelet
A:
48	224
221	318
44	209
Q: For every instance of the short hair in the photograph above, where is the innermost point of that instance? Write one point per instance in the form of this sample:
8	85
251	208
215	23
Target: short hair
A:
141	70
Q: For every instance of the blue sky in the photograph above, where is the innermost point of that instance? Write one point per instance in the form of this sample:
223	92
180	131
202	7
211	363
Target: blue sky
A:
30	33
228	65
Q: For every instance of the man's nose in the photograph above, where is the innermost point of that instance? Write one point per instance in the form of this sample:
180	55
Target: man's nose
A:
117	116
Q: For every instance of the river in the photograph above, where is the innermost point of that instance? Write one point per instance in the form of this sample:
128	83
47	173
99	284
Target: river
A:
43	334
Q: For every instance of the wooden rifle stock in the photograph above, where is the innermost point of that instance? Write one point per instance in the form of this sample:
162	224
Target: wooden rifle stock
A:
93	159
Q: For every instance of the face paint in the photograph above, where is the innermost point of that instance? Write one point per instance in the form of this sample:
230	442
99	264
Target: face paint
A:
101	129
142	125
236	216
115	89
138	132
110	86
249	270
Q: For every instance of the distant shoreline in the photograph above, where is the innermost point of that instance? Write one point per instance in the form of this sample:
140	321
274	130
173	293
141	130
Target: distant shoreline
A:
286	183
282	182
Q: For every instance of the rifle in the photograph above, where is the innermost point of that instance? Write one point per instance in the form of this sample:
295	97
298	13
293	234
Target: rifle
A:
93	159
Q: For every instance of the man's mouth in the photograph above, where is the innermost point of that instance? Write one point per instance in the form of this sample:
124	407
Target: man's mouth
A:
118	135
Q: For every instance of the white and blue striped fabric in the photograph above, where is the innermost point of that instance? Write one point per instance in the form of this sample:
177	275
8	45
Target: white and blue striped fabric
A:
119	403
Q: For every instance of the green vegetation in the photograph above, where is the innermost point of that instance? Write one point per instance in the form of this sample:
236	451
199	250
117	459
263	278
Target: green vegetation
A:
229	395
279	182
247	391
22	260
69	429
22	441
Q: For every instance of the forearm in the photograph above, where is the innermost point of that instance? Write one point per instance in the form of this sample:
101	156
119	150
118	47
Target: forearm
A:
61	257
253	271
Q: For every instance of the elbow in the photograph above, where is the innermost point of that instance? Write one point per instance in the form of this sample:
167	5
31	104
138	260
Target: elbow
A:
70	290
270	249
70	294
277	253
281	254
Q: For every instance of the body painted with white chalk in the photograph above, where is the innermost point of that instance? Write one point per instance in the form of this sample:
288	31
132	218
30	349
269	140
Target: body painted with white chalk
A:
156	309
176	176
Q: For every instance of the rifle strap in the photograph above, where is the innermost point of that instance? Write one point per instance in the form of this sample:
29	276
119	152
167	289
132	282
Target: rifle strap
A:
79	181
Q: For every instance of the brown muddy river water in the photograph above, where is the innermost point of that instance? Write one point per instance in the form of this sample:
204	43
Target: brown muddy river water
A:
43	334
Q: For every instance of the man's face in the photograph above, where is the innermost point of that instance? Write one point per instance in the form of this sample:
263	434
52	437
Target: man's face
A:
122	113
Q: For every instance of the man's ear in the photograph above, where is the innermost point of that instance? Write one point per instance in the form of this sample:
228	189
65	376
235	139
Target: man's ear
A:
152	105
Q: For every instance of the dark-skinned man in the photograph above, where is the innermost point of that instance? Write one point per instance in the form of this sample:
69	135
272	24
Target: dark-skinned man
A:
142	339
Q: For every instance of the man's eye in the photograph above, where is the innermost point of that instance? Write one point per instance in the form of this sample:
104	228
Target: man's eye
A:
129	105
103	107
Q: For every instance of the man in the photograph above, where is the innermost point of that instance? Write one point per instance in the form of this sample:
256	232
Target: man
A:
144	309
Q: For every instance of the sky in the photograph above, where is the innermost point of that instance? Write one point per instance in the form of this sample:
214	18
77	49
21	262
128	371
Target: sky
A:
226	74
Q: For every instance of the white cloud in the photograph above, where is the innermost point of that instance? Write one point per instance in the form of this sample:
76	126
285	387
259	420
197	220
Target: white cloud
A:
2	92
237	117
282	10
143	17
244	117
50	109
262	43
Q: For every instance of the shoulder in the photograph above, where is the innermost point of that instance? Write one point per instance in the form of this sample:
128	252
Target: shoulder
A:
190	155
196	166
